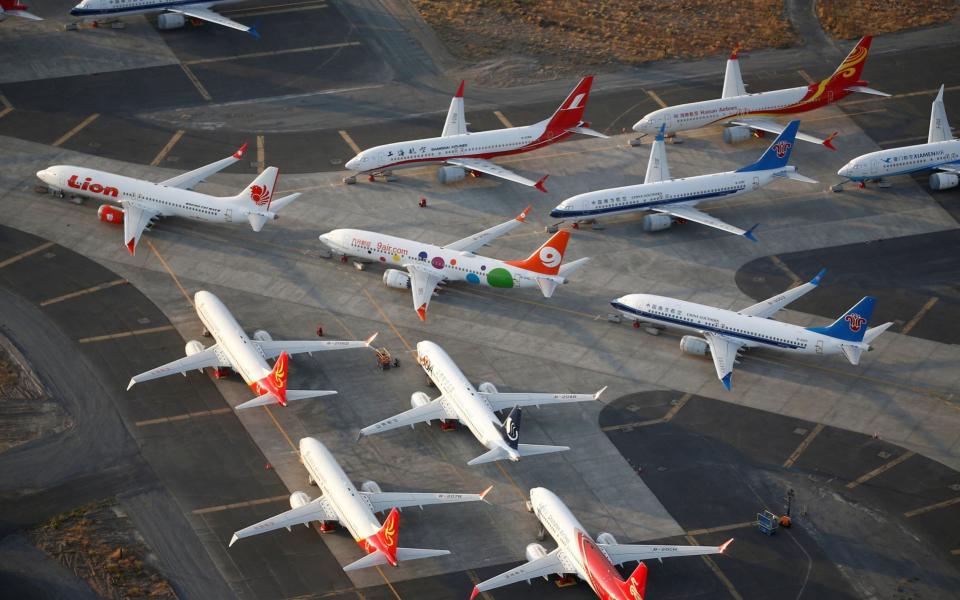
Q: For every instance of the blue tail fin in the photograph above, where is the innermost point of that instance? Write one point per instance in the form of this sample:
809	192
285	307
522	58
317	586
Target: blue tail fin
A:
853	324
778	154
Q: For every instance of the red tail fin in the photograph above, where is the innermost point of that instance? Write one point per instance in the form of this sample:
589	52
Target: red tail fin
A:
570	113
547	257
636	585
848	73
279	378
388	536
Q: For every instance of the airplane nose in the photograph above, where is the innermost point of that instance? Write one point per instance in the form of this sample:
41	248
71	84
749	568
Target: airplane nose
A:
353	162
845	170
45	175
557	213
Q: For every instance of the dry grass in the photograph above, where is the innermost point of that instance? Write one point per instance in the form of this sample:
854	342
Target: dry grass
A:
847	19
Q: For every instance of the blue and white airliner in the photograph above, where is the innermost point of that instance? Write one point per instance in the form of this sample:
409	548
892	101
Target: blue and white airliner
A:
724	333
671	199
940	153
180	10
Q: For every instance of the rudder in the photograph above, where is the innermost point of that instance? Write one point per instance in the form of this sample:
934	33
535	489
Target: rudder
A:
570	113
852	325
778	154
260	191
849	71
548	257
636	585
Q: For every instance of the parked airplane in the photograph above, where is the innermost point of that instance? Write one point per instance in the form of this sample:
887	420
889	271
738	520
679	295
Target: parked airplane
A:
474	407
725	332
142	202
13	7
940	153
174	12
742	113
427	266
465	152
671	199
246	356
578	554
341	501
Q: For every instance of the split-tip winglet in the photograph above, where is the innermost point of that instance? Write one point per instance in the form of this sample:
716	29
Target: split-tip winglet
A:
829	141
131	246
735	53
131	384
539	185
476	591
723	546
725	380
253	31
749	233
233	540
239	153
372	337
816	278
422	312
459	93
662	133
522	217
602	390
483	494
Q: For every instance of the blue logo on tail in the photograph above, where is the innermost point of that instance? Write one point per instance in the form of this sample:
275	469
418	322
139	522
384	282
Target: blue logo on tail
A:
778	154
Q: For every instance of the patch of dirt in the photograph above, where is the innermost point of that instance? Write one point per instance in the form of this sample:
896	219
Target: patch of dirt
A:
847	19
99	543
559	37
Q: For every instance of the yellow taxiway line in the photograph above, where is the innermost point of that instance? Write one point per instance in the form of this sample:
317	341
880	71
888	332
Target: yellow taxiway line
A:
25	254
84	292
65	137
166	149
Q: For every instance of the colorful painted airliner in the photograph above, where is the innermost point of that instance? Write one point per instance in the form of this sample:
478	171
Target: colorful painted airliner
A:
742	113
427	266
474	408
724	333
246	356
342	502
940	153
13	7
142	202
181	9
592	561
671	199
465	152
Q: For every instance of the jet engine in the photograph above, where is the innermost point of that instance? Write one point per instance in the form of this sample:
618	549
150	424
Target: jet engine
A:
657	222
396	278
419	399
451	174
535	551
692	344
606	538
170	21
371	487
262	336
192	347
943	181
736	134
112	214
298	499
487	388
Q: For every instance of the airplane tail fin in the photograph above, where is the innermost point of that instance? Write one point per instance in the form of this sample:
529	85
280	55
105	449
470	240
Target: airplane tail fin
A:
259	193
510	428
939	126
732	80
852	325
273	386
547	258
849	71
570	113
636	585
381	546
778	154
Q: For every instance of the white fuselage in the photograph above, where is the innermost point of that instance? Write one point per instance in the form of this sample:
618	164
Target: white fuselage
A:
461	398
900	161
90	9
232	340
750	331
353	509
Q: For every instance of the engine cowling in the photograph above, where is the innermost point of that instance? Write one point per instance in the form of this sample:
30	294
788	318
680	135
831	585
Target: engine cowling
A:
371	487
419	399
110	214
943	181
298	499
262	336
606	538
447	175
396	279
487	388
170	21
736	134
657	222
192	347
692	344
535	551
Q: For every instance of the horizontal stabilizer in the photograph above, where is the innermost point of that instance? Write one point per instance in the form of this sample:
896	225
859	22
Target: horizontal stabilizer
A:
279	203
547	285
494	455
257	221
867	90
417	553
874	332
378	558
587	131
568	268
373	559
798	177
852	353
258	401
534	449
267	399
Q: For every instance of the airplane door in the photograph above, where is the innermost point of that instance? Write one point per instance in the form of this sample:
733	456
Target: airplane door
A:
875	166
228	215
819	347
829	96
756	183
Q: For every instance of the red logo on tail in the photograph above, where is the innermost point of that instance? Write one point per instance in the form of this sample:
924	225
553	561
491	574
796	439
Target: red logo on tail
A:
855	321
781	148
260	194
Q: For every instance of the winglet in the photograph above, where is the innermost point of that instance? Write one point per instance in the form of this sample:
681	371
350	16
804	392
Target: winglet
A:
539	185
131	245
233	540
734	54
476	591
253	31
131	384
422	312
723	547
816	278
829	141
239	153
459	93
661	133
602	390
725	380
483	494
749	233
522	217
372	337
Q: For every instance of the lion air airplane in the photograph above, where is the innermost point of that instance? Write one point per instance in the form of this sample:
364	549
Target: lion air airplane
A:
465	152
427	266
475	408
354	509
246	356
142	202
578	554
724	333
671	199
940	153
12	7
179	10
741	113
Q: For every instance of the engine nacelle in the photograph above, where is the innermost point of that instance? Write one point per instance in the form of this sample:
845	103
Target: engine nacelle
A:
487	388
298	499
371	487
192	347
110	214
606	538
943	181
262	336
535	551
692	344
419	399
736	134
657	222
396	279
170	21
451	174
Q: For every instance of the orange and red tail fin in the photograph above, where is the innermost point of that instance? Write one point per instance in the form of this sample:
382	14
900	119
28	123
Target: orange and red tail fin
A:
279	377
636	585
570	113
548	257
849	71
388	536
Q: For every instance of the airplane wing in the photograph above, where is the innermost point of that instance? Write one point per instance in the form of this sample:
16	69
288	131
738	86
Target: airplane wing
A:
188	180
456	123
422	284
772	306
689	213
382	501
478	240
317	510
776	128
657	167
723	351
203	12
274	348
421	414
135	220
485	166
623	553
22	14
542	567
950	168
502	401
211	357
